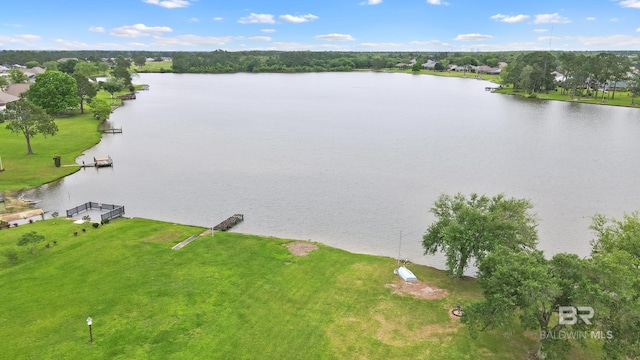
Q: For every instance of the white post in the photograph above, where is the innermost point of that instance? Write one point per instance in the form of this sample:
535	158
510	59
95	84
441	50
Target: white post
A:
1	168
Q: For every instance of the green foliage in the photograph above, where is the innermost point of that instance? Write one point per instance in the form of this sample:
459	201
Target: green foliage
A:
31	64
86	89
101	109
85	69
68	66
30	240
473	227
16	76
140	60
54	91
4	82
28	119
616	256
51	65
231	296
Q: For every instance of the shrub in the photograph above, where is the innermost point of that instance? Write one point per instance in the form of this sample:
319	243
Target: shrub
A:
95	225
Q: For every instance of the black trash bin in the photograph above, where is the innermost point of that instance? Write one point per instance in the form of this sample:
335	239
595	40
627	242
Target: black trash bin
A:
56	160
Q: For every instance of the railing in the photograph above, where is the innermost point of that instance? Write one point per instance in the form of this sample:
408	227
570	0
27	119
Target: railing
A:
114	210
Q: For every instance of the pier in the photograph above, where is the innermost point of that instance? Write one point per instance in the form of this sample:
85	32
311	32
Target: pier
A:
229	223
112	131
104	211
102	162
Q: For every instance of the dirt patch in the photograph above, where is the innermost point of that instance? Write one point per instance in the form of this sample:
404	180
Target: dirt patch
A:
21	215
419	289
301	248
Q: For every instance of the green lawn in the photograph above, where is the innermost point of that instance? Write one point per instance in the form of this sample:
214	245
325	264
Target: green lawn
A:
76	133
622	98
156	67
231	296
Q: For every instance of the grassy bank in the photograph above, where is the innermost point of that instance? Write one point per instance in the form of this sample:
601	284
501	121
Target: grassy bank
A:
76	133
622	98
228	296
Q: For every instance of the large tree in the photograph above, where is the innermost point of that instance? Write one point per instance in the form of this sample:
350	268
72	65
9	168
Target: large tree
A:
470	228
112	86
526	285
28	119
54	91
16	76
101	109
616	256
86	89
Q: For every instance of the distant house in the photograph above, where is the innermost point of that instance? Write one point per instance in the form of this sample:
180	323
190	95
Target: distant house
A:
484	69
5	99
33	72
430	64
17	89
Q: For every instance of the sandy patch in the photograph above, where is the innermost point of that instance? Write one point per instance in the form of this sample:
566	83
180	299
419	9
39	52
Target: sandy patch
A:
301	248
419	289
21	215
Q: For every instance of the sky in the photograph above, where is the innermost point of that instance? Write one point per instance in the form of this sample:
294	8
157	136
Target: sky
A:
320	25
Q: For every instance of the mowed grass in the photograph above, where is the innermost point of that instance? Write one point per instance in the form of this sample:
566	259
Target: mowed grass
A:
75	134
621	98
231	296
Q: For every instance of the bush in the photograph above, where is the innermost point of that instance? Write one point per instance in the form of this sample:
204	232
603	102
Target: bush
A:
95	225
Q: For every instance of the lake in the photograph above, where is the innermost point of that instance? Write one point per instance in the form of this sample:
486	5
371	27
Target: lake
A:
353	160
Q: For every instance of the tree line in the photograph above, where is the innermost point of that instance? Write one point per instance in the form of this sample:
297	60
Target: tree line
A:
498	234
577	74
56	92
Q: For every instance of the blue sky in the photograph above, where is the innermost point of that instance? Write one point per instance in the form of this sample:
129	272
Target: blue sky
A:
341	25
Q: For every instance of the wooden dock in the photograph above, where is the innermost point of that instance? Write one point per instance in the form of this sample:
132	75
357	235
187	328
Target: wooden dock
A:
229	223
112	131
102	162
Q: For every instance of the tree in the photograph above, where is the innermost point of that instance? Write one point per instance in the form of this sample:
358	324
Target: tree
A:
103	67
416	67
31	64
3	83
30	240
54	91
616	255
101	109
472	228
16	76
86	89
51	65
28	119
68	66
85	69
526	285
140	60
112	86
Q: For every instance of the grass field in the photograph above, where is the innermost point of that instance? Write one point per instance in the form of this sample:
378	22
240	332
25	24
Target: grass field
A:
622	98
231	296
155	67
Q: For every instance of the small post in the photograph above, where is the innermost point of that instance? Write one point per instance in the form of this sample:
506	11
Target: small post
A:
1	168
90	322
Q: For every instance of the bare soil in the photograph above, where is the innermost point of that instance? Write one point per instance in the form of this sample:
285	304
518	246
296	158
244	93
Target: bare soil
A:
419	289
301	248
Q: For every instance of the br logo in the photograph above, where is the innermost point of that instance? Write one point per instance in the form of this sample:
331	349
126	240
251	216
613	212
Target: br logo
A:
568	315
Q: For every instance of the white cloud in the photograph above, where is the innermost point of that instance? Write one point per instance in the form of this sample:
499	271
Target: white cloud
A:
549	38
638	30
540	30
19	39
335	37
611	41
260	38
510	19
257	19
169	4
614	19
14	25
554	18
630	4
298	19
473	37
191	40
98	29
138	30
437	2
268	31
371	2
590	18
218	18
194	20
70	44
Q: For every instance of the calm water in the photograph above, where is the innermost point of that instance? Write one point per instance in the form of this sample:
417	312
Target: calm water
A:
353	159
